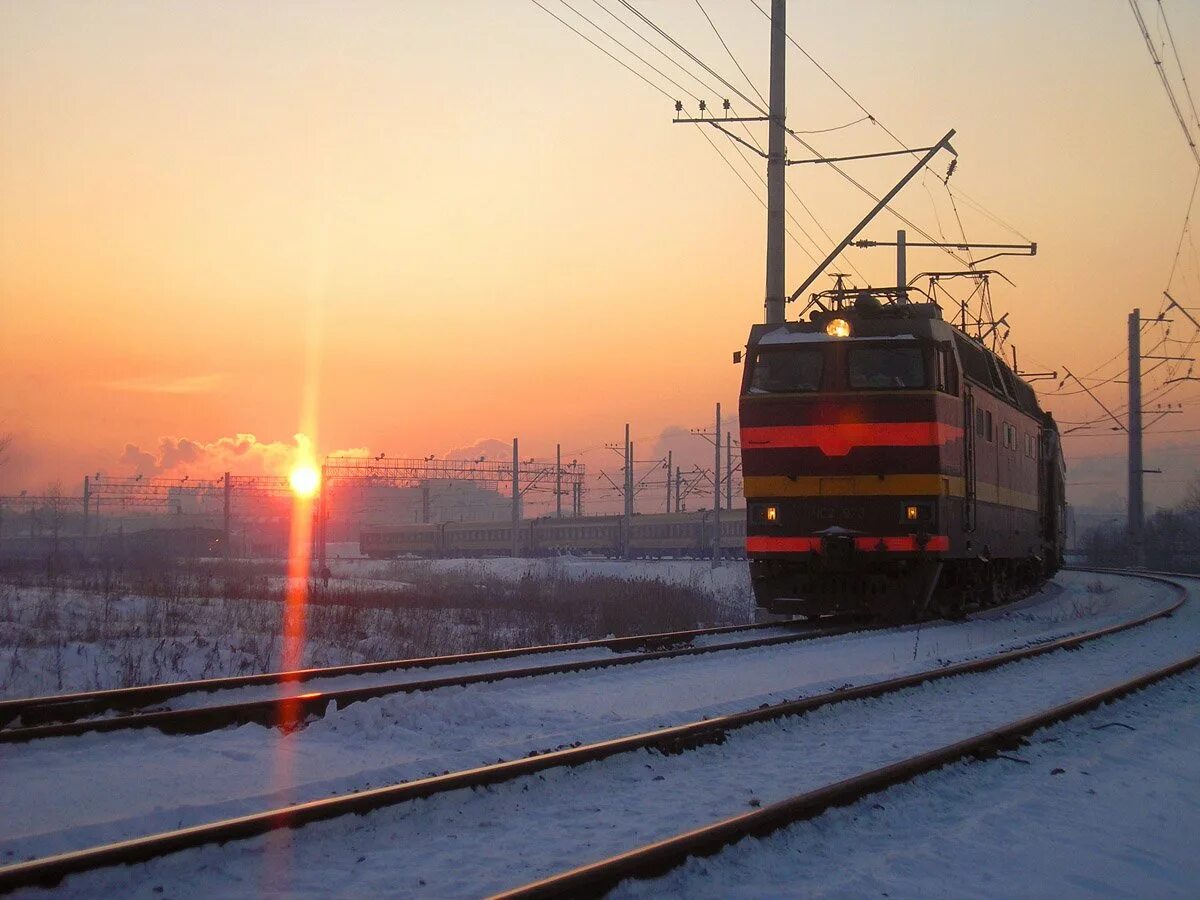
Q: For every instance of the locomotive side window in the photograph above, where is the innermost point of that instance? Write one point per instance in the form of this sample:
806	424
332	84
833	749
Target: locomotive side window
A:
787	371
983	424
882	368
947	370
976	365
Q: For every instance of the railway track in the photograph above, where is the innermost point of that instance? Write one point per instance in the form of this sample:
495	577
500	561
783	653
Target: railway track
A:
75	714
68	715
51	870
658	858
122	699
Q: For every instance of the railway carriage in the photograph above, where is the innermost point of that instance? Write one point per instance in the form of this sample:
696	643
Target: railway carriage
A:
388	541
598	535
893	465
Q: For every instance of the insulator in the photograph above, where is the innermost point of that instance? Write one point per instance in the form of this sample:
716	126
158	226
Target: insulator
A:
703	106
725	104
678	106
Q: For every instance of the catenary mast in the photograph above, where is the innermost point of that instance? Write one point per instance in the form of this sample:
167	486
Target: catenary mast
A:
776	167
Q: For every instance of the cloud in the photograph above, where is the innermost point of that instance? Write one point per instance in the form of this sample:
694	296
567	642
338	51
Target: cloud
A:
243	454
688	450
151	384
488	448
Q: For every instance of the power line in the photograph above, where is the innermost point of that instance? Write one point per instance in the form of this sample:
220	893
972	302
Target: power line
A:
688	53
835	127
657	49
869	116
751	189
1162	76
1187	218
717	32
850	178
631	52
664	93
757	144
619	62
1123	436
1175	50
790	214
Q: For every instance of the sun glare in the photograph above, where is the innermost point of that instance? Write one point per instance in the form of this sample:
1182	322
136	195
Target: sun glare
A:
305	480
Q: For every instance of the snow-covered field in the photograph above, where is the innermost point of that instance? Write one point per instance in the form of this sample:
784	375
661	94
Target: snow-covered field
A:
65	639
66	793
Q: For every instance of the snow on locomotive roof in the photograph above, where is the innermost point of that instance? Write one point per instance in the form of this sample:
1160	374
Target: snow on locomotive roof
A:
783	336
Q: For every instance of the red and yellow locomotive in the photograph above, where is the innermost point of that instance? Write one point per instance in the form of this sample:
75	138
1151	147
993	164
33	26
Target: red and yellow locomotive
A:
893	465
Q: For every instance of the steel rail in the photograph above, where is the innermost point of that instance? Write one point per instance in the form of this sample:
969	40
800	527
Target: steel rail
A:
293	711
49	871
57	708
53	707
660	857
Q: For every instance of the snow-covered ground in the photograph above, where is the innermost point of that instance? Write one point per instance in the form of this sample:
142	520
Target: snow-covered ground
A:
1105	805
66	793
730	577
62	640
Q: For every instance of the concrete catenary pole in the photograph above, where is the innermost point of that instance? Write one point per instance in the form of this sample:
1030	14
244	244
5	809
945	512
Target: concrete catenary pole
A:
902	266
632	508
86	498
1136	511
627	514
776	169
558	481
516	503
670	465
728	470
323	519
716	541
227	533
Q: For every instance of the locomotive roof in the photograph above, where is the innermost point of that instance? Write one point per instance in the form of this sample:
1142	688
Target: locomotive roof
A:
907	321
912	320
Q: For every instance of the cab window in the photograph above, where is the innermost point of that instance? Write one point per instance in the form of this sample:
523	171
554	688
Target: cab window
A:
787	370
882	367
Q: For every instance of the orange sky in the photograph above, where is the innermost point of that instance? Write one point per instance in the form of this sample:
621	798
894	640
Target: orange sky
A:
412	226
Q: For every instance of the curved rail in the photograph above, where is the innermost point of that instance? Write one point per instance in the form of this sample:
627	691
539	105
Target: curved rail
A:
54	707
49	871
292	711
660	857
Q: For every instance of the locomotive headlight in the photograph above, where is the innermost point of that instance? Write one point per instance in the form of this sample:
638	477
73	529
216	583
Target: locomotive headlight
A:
920	513
771	514
838	328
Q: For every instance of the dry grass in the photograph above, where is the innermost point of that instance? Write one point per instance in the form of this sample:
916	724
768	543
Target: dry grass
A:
151	623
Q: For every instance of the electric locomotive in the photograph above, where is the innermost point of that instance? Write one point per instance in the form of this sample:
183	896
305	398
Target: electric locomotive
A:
893	465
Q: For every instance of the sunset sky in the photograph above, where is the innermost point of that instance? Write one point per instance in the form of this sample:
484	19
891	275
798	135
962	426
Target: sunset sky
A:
410	227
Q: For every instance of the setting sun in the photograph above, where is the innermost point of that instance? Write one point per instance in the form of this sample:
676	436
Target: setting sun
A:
305	480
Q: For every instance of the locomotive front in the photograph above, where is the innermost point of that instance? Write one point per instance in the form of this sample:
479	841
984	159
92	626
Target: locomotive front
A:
851	433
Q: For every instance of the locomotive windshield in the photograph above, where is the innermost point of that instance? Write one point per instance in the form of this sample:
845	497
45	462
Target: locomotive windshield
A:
787	370
884	367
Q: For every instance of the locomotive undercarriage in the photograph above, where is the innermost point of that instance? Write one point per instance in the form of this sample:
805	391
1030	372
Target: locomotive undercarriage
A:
899	590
